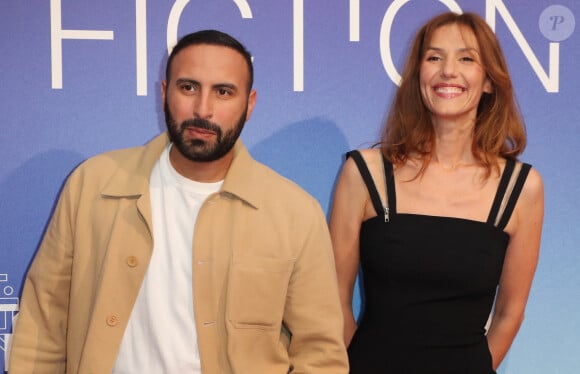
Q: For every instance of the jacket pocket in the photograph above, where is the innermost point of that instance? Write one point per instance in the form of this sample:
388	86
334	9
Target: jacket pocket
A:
257	292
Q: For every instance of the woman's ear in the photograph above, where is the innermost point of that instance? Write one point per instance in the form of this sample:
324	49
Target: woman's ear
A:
487	86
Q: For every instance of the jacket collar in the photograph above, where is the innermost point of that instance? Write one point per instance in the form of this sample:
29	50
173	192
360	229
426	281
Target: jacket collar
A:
134	170
242	179
131	179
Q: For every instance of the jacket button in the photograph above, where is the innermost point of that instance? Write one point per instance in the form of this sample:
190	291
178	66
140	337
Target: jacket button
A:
132	261
112	320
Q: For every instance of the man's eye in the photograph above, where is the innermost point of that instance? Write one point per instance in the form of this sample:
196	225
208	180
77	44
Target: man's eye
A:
223	92
188	87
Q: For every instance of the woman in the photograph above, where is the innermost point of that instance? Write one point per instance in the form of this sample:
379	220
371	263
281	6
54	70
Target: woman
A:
441	215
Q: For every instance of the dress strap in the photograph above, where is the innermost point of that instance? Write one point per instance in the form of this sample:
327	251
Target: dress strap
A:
366	175
501	190
509	209
508	192
390	183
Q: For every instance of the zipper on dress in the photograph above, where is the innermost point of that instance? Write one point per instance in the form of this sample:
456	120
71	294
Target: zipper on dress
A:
387	219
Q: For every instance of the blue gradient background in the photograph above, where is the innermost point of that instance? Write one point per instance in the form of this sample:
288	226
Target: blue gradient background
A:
46	132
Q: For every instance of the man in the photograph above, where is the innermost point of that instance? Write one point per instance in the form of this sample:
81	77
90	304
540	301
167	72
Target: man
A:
119	285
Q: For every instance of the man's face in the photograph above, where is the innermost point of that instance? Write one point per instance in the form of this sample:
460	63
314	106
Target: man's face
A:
206	101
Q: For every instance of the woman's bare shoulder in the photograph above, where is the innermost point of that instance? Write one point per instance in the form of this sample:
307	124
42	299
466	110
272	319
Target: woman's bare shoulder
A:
533	187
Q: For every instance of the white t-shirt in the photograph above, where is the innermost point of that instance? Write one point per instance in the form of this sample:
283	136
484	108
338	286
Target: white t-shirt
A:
161	335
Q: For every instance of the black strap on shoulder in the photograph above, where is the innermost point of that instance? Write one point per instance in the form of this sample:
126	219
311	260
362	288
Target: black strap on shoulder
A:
507	213
366	175
390	185
501	190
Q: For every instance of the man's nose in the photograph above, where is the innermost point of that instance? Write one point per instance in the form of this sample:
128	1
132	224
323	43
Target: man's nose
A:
203	106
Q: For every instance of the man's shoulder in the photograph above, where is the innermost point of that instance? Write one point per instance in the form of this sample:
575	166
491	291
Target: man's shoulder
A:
127	164
283	188
116	155
109	161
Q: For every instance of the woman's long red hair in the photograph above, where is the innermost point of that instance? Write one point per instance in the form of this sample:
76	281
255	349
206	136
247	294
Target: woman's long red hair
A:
499	128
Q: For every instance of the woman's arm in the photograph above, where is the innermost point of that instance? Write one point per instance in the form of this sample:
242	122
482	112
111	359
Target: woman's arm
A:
348	209
519	266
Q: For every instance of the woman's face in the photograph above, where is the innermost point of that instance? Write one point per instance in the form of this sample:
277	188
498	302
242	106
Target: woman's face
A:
452	78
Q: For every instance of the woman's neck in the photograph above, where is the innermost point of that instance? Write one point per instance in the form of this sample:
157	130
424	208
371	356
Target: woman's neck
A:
453	144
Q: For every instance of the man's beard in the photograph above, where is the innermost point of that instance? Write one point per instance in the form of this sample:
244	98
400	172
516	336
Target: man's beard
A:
198	150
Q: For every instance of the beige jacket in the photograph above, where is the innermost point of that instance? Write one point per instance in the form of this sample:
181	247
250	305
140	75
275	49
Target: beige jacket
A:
262	271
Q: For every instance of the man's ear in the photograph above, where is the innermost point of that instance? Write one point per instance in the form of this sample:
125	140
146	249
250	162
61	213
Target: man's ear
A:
163	91
252	96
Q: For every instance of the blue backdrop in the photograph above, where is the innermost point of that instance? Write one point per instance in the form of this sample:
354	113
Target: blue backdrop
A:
79	77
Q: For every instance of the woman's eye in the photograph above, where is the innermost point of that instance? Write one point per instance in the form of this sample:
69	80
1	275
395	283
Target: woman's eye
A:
433	58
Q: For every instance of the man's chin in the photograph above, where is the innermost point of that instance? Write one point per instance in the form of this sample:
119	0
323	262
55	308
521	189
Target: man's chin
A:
199	154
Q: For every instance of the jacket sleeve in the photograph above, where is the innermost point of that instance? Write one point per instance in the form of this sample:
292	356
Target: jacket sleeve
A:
39	341
312	313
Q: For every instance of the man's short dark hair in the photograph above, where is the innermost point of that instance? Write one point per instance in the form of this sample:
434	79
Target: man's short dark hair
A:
212	37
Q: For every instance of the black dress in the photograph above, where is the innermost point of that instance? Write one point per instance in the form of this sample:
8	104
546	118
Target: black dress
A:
429	284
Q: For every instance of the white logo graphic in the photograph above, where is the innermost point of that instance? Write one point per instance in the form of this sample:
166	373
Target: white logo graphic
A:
8	310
